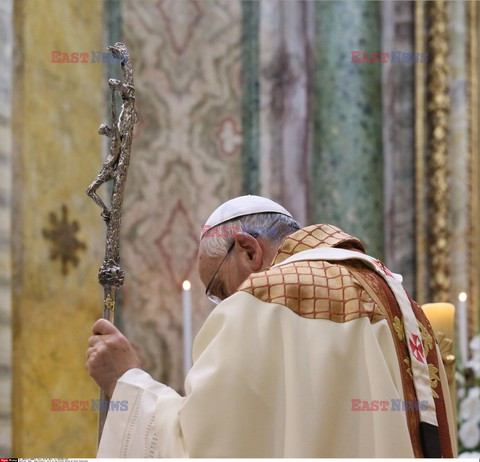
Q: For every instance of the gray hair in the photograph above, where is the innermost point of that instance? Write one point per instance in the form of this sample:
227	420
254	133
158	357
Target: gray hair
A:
273	226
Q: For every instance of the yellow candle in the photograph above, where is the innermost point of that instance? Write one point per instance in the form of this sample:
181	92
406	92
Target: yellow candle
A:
441	317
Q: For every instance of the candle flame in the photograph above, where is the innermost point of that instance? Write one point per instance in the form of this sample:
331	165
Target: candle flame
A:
462	296
186	285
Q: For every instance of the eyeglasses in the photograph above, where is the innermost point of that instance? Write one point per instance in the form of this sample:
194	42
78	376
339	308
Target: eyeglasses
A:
211	297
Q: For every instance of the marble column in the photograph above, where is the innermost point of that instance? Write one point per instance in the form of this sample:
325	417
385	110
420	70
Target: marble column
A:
58	235
347	174
398	141
251	96
286	78
6	47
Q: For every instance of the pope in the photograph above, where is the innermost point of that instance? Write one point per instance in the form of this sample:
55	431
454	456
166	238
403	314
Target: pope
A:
313	350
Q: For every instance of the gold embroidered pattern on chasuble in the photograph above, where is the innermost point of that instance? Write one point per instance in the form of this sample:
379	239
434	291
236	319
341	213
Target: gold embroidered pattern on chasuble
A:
315	236
314	289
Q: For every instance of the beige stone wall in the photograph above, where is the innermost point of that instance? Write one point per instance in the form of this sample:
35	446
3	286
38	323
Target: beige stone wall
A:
57	109
6	39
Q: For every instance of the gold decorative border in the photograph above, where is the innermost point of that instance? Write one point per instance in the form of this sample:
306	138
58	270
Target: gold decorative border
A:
432	107
438	107
473	121
420	251
431	115
436	27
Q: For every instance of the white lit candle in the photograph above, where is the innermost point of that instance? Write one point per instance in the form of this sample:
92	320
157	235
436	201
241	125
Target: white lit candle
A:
462	326
187	326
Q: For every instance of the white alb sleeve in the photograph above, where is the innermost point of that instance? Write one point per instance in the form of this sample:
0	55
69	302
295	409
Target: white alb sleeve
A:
130	431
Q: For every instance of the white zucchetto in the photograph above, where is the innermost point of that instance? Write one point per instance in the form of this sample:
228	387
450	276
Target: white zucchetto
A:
241	206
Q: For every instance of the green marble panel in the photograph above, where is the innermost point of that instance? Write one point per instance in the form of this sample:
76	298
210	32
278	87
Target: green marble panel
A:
251	95
347	173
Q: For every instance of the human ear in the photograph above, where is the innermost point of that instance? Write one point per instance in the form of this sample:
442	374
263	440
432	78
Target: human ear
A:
251	250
